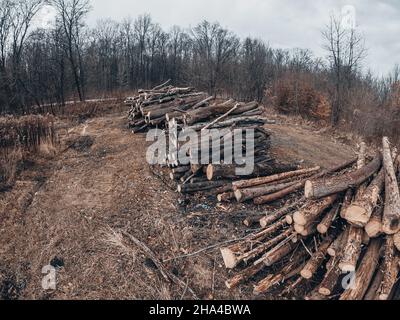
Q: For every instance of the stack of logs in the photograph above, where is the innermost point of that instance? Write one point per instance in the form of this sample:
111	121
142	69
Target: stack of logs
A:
202	172
185	111
149	109
340	240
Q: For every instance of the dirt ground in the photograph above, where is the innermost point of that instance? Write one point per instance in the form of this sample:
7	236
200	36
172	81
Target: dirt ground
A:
69	211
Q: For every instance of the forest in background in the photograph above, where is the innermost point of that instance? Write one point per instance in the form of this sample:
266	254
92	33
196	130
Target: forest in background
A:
72	61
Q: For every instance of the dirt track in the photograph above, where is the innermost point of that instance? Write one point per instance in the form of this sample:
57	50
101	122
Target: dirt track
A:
69	209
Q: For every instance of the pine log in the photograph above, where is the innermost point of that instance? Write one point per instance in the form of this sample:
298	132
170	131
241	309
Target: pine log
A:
390	269
265	246
312	210
328	220
373	290
227	196
279	195
291	269
271	218
317	259
243	276
361	210
315	189
330	281
365	272
274	178
252	220
230	171
336	248
243	195
352	250
391	213
277	253
374	225
230	254
347	200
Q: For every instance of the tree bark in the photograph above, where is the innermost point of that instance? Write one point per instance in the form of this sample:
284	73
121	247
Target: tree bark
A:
313	210
390	269
352	250
391	213
269	179
374	226
315	189
364	273
328	220
264	222
361	210
317	259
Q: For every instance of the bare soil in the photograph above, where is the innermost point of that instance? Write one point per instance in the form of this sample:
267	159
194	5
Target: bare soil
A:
68	211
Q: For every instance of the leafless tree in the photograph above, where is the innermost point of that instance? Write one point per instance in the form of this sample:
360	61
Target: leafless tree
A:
71	15
346	50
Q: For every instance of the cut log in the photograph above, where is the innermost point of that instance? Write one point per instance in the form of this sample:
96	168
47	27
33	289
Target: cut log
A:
230	254
277	253
265	246
271	218
312	210
317	259
291	269
279	195
390	269
243	276
315	189
391	213
243	195
336	247
365	272
330	281
352	250
374	226
274	178
227	196
252	220
360	211
328	220
230	171
373	290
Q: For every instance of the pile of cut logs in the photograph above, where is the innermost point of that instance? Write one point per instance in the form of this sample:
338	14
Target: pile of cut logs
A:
150	108
340	240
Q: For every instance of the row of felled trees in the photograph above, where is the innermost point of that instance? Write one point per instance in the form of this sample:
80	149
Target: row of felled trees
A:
71	61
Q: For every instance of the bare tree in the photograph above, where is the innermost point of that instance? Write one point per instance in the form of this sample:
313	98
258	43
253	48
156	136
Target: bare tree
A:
71	15
346	50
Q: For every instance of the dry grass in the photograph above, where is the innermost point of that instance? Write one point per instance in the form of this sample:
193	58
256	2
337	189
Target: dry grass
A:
20	137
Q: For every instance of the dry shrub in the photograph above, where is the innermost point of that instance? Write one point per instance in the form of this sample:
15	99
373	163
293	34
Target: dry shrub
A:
367	116
83	111
19	137
294	93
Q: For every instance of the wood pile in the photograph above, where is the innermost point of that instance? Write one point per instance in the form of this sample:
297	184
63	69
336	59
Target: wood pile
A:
186	111
150	108
338	240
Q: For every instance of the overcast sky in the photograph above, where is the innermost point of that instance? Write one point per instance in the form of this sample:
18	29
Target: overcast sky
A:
282	23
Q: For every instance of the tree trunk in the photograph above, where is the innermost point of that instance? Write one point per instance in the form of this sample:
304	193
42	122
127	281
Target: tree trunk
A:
391	213
374	226
321	188
313	210
274	178
352	250
317	259
364	273
390	269
360	211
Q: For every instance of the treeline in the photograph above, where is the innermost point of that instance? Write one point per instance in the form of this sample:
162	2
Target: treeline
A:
73	61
